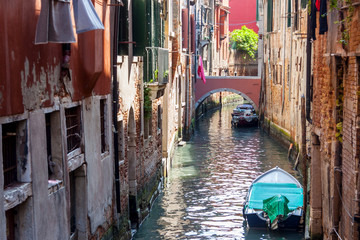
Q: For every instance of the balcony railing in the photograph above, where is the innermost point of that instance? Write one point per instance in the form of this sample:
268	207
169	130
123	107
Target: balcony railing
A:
157	65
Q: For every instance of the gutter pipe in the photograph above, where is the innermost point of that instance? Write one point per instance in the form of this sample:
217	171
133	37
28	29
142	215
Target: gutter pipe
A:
115	107
308	69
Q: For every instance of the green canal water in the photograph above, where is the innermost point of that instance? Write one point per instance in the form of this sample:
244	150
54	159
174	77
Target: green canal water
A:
204	195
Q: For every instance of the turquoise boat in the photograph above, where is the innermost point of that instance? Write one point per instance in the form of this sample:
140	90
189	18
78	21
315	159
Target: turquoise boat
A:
274	200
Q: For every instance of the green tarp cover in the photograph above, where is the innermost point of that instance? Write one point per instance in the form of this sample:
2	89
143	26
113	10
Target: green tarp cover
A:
261	191
275	206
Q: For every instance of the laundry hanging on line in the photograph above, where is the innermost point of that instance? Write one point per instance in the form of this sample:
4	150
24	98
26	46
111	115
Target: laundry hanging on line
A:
55	22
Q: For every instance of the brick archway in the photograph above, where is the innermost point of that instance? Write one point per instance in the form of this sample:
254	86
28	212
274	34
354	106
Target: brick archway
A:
225	90
246	86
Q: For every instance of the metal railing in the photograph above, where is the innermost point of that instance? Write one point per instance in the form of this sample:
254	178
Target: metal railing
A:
157	65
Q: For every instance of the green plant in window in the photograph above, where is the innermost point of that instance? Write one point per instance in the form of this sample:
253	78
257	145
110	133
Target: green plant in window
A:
156	75
147	102
246	40
166	73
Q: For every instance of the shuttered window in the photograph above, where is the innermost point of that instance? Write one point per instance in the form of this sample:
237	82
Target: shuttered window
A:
289	14
270	16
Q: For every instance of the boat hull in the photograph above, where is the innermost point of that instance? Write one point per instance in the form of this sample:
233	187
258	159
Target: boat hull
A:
275	182
292	222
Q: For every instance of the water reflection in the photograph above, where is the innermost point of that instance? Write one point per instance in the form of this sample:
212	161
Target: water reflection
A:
205	193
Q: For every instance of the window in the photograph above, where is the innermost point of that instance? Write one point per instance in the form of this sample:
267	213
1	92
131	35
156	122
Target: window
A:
148	127
123	48
104	146
223	16
73	128
270	16
289	14
121	140
159	117
9	153
304	3
10	224
297	15
53	145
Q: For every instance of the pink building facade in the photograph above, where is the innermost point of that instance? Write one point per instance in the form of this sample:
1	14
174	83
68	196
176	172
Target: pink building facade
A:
242	13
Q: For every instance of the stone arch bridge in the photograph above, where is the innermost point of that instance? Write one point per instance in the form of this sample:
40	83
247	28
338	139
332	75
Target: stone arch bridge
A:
246	86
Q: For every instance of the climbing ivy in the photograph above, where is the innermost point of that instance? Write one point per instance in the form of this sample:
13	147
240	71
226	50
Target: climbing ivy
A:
147	103
340	103
246	40
344	22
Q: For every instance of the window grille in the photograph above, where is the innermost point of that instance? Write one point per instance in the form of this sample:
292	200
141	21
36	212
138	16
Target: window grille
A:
73	128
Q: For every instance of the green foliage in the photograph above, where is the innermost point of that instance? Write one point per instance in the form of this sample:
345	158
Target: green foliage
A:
147	103
156	74
344	23
339	108
246	40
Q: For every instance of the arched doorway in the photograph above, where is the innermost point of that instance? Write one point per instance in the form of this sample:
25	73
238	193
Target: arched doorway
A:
134	216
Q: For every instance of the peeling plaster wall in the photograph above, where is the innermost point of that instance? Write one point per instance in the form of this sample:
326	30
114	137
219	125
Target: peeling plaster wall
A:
100	177
53	224
31	74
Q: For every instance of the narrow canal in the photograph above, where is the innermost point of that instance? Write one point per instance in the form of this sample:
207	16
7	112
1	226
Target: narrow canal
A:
205	192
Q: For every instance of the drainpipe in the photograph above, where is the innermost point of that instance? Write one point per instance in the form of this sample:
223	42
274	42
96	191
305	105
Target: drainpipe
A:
283	62
115	105
187	77
308	69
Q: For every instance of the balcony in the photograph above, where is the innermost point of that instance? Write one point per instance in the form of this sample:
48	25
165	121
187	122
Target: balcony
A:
157	70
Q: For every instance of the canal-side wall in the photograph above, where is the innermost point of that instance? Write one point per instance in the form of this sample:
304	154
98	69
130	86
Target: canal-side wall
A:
335	185
284	138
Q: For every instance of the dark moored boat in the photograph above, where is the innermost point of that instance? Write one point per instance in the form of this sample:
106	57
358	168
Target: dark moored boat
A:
275	200
244	115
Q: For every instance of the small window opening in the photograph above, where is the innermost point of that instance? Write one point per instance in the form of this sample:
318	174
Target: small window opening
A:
10	224
53	145
9	153
148	127
159	117
102	124
121	142
73	128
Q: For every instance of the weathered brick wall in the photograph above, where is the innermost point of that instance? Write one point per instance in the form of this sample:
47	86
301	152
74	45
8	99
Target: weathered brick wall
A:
328	52
284	75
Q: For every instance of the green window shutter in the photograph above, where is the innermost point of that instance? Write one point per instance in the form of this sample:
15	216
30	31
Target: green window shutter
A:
289	14
257	10
123	29
270	16
139	27
304	3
